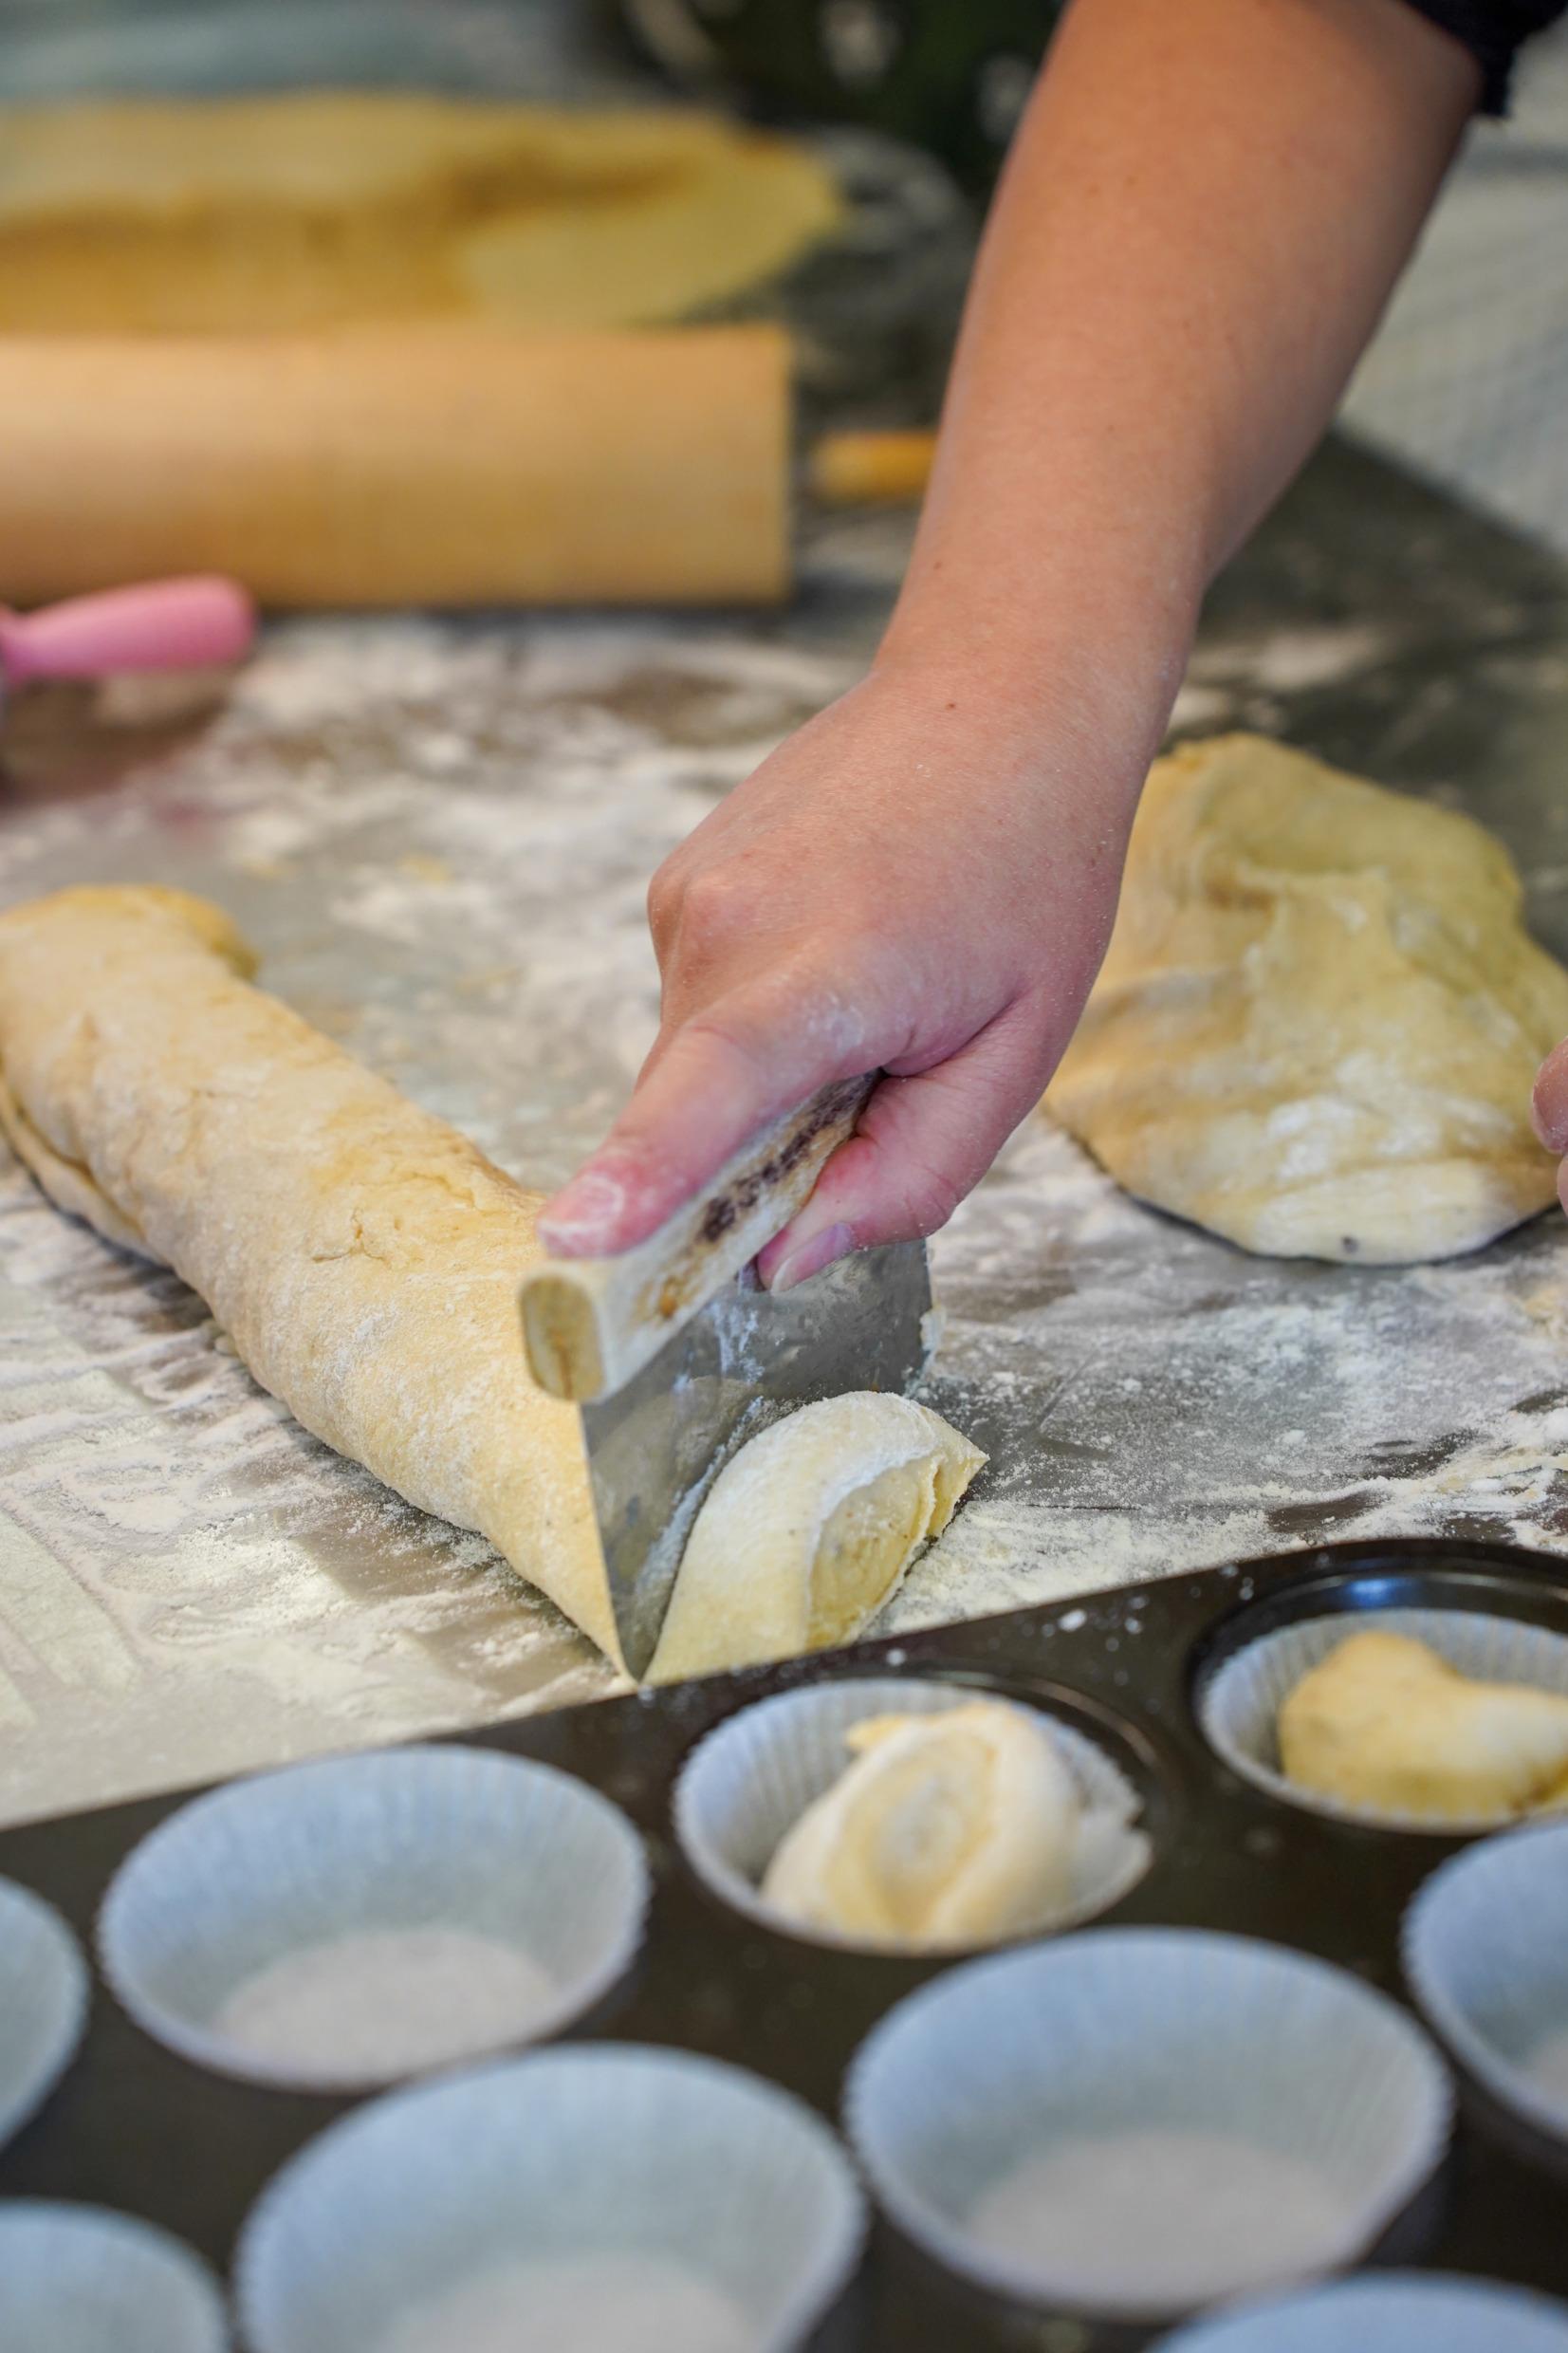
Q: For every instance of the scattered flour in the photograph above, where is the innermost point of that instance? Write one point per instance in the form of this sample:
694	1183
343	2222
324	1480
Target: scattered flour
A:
603	2303
1162	2220
388	2002
1287	661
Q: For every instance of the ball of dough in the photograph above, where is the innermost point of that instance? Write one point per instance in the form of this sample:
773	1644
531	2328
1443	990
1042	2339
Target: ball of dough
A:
1384	1722
951	1829
1321	1016
803	1536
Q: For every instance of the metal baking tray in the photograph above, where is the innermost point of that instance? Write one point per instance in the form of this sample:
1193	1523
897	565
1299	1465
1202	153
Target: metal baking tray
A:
133	2126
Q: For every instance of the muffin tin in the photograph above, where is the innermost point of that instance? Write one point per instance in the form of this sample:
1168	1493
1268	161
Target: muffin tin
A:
1141	2122
617	2180
753	1777
43	2004
135	2126
341	1925
1241	1698
74	2276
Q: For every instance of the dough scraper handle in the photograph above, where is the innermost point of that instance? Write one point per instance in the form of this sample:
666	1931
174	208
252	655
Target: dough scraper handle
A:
589	1324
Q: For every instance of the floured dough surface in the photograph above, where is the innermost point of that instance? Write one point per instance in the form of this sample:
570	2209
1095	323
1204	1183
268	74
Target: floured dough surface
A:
808	1531
323	208
957	1829
1384	1722
1321	1016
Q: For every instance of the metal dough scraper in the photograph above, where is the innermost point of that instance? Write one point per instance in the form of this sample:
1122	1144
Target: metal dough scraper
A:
675	1356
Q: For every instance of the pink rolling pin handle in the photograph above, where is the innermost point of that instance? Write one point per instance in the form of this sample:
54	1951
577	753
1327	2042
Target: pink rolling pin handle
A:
163	624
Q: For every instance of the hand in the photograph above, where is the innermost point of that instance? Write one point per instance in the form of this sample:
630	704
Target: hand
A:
918	882
922	880
1549	1111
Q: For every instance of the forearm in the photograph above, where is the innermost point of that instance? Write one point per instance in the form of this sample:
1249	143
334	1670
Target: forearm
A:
1203	216
1205	211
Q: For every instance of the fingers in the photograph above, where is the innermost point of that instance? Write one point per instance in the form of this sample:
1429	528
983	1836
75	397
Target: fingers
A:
1549	1111
923	1143
710	1086
1549	1103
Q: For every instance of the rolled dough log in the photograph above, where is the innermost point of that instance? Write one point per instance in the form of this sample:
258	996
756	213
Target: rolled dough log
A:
1319	1018
951	1829
362	1256
1383	1721
806	1532
365	1260
327	207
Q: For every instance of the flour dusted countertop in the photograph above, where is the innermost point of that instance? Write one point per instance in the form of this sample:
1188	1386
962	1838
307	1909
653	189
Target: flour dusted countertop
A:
438	833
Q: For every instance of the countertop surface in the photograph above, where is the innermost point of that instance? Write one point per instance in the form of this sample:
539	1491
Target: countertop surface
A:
437	834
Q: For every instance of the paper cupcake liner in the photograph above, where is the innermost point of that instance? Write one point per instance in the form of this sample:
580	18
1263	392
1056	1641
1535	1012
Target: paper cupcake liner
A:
79	2279
1485	1950
1132	2062
1396	2312
343	1924
43	2003
1239	1704
749	1782
687	2202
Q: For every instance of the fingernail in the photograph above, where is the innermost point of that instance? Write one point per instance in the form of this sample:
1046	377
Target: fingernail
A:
817	1252
584	1217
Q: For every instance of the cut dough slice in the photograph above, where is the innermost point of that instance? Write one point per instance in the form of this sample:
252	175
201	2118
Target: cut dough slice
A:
1321	1016
807	1531
324	208
951	1829
1384	1722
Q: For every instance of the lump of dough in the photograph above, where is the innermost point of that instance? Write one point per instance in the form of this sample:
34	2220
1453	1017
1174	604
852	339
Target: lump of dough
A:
806	1533
329	208
1319	1018
951	1829
1384	1722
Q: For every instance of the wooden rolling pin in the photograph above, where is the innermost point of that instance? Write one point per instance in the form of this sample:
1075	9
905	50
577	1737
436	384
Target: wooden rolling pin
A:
402	466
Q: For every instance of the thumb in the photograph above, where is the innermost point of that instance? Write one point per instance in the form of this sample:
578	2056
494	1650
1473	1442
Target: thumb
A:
922	1144
1549	1103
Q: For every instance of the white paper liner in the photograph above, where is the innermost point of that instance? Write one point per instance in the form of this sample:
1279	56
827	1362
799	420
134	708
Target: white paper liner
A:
1127	2030
596	2150
1485	1951
752	1778
510	1858
43	2003
1239	1706
80	2279
1388	2313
